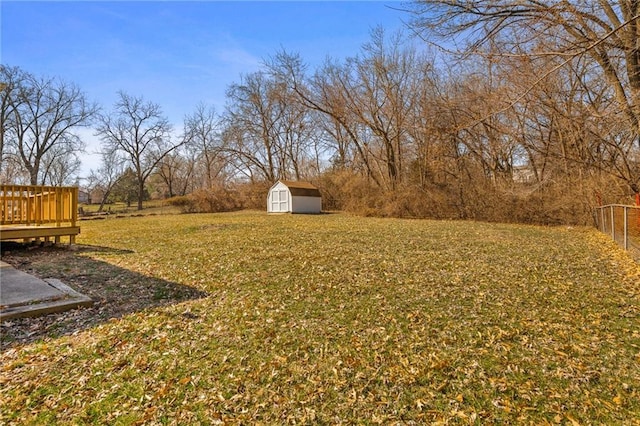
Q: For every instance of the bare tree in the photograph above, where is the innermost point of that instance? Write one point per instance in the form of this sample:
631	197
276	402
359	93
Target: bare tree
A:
140	131
39	116
327	92
11	80
383	95
106	176
176	173
11	169
60	167
482	122
268	132
250	121
605	32
202	132
369	100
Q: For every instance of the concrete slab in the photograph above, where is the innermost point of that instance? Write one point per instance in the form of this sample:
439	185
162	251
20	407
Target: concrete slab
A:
20	288
23	295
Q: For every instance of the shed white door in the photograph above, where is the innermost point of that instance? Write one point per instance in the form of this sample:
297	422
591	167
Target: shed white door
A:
279	200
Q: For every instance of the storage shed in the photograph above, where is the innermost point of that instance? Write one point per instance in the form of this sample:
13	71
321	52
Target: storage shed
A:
294	197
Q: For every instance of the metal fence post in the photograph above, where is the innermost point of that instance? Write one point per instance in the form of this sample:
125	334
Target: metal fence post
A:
613	223
626	229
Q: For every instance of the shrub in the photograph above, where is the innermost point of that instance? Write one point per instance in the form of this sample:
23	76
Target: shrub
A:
211	200
253	195
565	200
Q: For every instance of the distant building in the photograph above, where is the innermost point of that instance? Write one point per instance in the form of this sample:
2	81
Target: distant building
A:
524	174
294	197
84	197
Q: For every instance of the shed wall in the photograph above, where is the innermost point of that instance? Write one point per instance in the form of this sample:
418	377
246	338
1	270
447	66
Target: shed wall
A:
307	204
279	199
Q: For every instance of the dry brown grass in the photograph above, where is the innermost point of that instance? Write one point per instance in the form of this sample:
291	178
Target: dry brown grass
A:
333	319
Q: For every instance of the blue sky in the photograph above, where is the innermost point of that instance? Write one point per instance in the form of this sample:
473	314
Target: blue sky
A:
178	53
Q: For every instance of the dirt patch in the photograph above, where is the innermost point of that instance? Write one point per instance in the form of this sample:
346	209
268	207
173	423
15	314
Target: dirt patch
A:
116	291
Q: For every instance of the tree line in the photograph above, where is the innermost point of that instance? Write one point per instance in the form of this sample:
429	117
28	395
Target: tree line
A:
511	110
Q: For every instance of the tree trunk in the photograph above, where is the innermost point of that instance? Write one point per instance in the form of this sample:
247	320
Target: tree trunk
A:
140	193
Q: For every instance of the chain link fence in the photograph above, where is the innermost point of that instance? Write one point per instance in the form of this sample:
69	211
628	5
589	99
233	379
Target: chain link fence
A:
622	222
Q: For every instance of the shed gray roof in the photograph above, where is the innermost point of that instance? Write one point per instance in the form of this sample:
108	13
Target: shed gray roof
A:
301	189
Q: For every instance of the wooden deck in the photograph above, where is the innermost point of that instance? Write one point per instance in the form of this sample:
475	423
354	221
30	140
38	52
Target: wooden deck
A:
29	213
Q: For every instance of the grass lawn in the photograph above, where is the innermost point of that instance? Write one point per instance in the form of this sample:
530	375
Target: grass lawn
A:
248	318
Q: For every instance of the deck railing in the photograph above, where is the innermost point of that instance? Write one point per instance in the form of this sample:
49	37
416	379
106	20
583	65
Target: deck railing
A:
38	205
622	223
